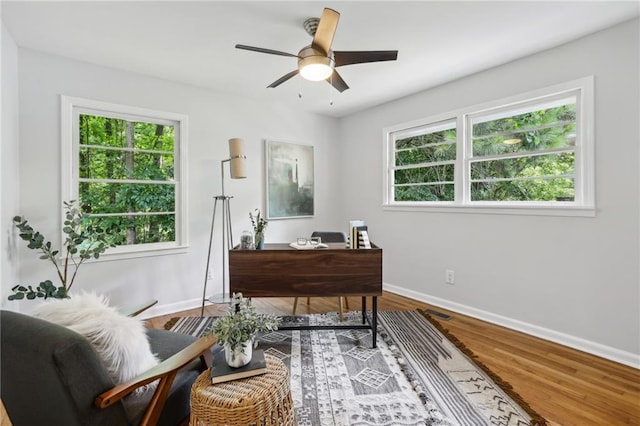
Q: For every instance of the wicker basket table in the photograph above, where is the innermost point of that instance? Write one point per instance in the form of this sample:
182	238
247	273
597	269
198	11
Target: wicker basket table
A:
263	400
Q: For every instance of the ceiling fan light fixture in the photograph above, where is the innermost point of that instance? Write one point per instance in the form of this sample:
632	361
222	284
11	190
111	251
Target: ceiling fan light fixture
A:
315	68
318	61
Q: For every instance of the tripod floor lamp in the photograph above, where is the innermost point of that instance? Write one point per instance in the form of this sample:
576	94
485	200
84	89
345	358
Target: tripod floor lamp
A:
236	162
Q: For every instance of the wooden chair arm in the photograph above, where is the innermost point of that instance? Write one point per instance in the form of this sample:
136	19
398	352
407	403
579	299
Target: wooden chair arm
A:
137	310
166	372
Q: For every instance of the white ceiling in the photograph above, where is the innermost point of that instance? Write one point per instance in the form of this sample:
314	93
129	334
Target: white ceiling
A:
193	42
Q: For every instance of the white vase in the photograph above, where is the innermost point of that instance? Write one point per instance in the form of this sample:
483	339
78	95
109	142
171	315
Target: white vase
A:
237	357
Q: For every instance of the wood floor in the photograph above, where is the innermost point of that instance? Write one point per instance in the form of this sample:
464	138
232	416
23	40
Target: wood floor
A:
565	386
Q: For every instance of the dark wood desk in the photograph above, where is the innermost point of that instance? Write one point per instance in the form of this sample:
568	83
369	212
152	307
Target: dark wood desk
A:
281	271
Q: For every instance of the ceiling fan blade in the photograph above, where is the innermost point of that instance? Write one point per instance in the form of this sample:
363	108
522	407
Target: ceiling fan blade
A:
282	79
336	81
262	50
360	57
323	39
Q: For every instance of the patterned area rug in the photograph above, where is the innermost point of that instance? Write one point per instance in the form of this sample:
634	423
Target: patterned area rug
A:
416	375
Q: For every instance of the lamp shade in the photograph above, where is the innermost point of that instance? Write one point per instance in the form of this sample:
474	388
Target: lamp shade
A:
238	159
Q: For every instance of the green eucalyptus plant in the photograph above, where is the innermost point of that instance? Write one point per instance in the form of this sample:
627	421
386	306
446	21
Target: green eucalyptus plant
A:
82	242
241	323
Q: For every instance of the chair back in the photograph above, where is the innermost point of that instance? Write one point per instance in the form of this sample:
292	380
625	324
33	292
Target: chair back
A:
331	236
51	375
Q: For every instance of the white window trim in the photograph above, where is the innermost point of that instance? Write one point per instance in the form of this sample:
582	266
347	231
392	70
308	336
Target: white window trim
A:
584	165
71	106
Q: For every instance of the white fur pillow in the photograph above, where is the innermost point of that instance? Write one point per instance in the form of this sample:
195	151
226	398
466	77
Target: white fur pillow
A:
120	341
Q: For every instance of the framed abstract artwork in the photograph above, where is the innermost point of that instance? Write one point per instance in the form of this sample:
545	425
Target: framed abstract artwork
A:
290	180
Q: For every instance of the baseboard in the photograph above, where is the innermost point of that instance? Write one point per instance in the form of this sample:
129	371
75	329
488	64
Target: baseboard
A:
160	310
607	352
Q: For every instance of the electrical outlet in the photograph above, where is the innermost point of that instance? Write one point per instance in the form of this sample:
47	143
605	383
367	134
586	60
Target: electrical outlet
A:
449	276
209	274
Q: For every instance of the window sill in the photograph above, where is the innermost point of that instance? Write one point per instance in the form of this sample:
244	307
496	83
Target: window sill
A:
514	209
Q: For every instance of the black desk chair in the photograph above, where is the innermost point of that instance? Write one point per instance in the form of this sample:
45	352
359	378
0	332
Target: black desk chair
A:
328	237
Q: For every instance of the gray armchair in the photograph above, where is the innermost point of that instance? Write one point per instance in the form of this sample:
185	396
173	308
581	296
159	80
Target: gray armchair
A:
52	375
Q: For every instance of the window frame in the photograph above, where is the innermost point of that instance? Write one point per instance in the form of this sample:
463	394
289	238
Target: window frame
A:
584	201
71	109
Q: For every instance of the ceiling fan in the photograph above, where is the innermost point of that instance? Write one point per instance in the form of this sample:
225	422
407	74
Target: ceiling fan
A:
317	61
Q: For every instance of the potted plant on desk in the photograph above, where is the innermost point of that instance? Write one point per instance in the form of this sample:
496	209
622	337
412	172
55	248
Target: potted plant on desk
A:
236	330
259	225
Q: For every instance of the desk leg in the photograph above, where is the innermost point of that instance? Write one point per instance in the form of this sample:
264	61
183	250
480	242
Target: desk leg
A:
374	319
364	309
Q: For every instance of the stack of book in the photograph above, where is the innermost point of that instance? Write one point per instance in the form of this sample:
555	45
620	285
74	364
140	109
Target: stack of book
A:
221	372
358	235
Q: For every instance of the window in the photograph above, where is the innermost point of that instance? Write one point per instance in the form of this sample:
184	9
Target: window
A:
525	155
529	153
425	159
125	167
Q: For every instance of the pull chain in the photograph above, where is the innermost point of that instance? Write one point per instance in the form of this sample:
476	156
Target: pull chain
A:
331	91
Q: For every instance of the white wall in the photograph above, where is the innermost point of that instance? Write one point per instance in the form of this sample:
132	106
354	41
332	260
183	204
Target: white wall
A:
574	280
175	280
9	161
